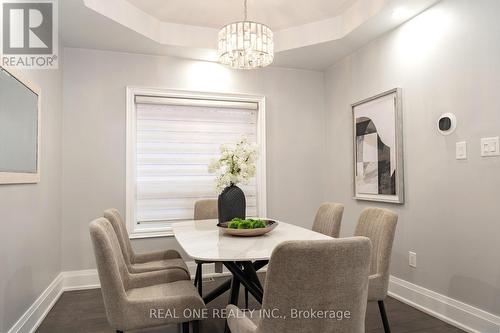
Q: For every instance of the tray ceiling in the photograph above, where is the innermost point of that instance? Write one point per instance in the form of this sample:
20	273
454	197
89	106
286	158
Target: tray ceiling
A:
278	14
312	34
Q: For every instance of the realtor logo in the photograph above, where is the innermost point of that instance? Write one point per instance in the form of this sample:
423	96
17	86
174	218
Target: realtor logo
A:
29	36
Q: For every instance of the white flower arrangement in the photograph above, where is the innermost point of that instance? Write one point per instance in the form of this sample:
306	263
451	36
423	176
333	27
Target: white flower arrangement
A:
235	165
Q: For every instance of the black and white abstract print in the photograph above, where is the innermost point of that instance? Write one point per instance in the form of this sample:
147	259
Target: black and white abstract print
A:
375	147
374	160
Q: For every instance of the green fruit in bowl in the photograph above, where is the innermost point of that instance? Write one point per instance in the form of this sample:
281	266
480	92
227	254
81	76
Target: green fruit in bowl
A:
233	224
258	224
245	224
238	223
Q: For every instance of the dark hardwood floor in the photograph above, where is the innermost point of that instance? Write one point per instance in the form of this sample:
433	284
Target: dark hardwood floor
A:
83	312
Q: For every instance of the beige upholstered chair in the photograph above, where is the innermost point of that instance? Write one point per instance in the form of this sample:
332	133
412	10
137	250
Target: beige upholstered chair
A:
380	226
206	209
134	300
146	262
328	219
329	275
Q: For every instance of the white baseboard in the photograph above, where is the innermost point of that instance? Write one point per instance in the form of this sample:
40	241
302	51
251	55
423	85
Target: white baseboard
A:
456	313
35	314
461	315
81	280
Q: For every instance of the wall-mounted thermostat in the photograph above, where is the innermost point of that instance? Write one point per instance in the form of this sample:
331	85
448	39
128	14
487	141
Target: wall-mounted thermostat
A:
447	123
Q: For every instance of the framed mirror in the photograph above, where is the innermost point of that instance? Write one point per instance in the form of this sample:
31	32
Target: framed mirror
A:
19	129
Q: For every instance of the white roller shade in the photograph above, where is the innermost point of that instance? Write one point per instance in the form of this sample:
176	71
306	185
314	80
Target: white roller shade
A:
175	143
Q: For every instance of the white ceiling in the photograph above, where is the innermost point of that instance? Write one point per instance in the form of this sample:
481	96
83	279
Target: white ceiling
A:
278	14
118	25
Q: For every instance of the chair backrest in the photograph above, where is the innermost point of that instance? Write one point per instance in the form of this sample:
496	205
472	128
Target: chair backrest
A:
328	219
116	220
111	268
380	226
327	276
206	209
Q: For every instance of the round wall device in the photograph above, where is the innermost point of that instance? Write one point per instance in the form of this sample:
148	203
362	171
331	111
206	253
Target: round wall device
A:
447	123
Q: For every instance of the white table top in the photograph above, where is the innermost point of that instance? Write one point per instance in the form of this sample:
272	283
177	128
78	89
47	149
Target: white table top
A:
202	240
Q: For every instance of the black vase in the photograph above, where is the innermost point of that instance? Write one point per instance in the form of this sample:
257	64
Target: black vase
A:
231	204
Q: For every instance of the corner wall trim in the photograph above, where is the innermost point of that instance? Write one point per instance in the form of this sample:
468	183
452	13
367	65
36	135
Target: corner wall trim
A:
456	313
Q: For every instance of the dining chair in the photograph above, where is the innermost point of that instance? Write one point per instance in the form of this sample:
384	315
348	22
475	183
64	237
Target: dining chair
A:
206	209
328	219
144	262
379	225
327	276
140	300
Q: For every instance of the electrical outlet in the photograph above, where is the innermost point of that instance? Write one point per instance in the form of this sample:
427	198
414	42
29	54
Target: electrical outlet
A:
412	259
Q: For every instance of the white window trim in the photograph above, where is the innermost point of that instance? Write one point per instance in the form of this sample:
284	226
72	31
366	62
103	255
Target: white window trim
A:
137	231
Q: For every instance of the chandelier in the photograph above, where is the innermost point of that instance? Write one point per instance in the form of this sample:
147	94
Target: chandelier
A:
246	44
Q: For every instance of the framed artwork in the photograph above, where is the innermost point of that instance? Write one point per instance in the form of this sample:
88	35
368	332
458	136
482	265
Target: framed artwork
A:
20	129
378	148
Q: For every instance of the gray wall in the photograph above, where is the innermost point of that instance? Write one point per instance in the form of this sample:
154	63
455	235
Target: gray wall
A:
94	136
446	60
30	240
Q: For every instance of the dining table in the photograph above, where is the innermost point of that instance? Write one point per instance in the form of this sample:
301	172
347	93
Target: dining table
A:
243	257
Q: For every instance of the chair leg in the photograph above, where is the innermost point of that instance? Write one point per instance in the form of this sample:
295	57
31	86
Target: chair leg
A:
200	279
185	327
196	326
196	275
383	314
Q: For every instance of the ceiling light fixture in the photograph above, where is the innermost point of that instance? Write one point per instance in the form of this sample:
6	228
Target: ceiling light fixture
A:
246	44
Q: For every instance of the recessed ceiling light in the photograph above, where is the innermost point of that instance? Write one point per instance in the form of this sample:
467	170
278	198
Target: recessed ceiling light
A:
400	13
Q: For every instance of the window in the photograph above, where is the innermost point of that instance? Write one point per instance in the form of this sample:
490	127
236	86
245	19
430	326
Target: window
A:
171	137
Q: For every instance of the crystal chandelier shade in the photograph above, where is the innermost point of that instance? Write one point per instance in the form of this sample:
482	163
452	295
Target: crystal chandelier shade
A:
246	45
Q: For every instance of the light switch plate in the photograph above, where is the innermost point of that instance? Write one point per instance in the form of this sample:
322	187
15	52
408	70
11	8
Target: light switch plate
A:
461	150
490	146
412	259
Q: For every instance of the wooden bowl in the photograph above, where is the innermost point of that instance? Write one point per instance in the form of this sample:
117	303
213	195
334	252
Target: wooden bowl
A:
270	225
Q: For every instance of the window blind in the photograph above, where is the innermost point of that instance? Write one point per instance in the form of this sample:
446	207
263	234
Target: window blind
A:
195	102
176	140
